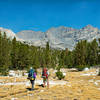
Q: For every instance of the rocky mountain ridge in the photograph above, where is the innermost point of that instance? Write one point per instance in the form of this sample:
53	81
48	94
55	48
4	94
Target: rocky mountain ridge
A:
58	38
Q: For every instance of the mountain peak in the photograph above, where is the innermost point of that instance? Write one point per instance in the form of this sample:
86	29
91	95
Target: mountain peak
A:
8	32
88	27
59	37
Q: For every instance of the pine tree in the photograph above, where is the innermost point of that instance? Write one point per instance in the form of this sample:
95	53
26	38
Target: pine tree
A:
62	58
14	54
5	51
94	52
0	49
5	54
47	55
36	59
80	53
23	56
68	59
99	52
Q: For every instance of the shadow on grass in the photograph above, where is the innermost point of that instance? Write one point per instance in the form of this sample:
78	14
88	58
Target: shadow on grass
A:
41	85
30	89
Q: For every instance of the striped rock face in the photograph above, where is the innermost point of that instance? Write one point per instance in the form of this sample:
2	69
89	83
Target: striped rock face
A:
58	37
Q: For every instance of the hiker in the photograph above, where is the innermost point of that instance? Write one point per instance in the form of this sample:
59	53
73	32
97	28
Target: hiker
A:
45	74
31	77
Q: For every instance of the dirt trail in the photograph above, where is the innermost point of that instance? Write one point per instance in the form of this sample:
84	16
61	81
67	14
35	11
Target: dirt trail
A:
16	90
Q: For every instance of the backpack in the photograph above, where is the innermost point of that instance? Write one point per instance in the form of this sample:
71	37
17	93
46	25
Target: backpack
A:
34	75
31	75
44	73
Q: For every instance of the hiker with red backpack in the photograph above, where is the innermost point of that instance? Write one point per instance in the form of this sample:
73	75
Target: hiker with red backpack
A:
45	74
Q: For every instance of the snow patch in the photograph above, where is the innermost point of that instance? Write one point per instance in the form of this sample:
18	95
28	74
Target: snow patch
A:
36	82
86	69
14	98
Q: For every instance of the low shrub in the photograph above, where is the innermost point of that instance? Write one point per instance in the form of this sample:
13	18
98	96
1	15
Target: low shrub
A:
60	75
4	70
80	67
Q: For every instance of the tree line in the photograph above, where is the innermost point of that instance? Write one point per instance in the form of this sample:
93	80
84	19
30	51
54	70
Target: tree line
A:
20	55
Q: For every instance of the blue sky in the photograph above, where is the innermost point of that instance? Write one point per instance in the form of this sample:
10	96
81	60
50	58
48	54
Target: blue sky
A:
40	15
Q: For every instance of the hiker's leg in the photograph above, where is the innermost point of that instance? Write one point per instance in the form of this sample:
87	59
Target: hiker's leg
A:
43	82
47	82
32	84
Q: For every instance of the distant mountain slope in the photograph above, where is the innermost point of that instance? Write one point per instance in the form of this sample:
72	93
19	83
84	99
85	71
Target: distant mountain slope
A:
61	37
58	38
8	32
35	38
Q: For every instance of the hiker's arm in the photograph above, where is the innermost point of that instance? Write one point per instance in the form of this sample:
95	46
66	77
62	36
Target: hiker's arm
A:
48	73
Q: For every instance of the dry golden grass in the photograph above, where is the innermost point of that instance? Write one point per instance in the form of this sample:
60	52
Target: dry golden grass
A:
77	88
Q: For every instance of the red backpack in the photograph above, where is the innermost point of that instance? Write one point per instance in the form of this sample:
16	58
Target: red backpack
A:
45	74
